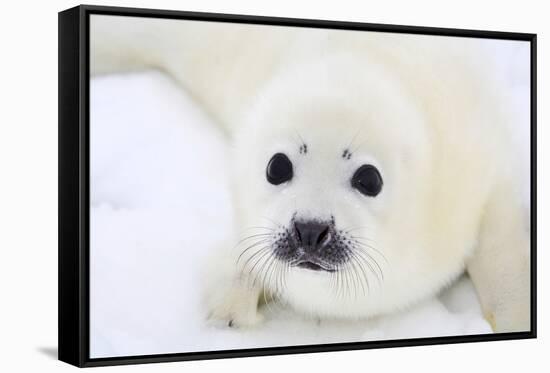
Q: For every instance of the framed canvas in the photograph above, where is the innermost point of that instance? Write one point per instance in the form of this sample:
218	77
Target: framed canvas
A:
235	186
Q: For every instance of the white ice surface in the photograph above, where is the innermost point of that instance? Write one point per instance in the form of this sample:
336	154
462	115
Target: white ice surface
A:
160	203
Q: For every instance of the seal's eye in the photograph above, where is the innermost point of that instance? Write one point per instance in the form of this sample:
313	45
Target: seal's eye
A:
367	180
279	169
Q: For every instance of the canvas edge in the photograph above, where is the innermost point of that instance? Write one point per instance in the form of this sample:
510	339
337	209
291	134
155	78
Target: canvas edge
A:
73	282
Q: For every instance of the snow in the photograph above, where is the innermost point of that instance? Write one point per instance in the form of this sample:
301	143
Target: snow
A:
160	203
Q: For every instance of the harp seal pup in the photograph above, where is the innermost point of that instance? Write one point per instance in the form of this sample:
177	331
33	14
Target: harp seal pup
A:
369	170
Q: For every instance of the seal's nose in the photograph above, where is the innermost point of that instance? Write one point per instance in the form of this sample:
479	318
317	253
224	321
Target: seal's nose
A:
312	234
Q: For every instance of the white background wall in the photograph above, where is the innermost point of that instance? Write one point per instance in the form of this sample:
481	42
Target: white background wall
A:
28	184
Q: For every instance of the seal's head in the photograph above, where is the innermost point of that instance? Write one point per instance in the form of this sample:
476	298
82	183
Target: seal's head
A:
333	178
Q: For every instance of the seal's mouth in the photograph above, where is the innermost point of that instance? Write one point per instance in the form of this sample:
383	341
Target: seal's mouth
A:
313	266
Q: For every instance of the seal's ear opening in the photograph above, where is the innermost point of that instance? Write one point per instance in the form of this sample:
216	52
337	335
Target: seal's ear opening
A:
279	169
367	180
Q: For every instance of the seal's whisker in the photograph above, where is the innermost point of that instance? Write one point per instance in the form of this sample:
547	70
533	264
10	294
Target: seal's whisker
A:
259	251
354	228
271	254
280	277
364	271
258	227
287	269
254	275
336	275
277	225
300	137
355	259
346	284
265	268
369	240
364	251
259	259
367	246
353	276
251	237
268	272
368	259
358	146
354	138
264	241
342	286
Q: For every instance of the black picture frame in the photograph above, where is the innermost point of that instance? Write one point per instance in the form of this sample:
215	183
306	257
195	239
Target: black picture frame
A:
74	189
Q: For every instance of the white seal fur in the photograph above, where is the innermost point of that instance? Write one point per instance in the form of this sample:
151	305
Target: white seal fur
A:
424	110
